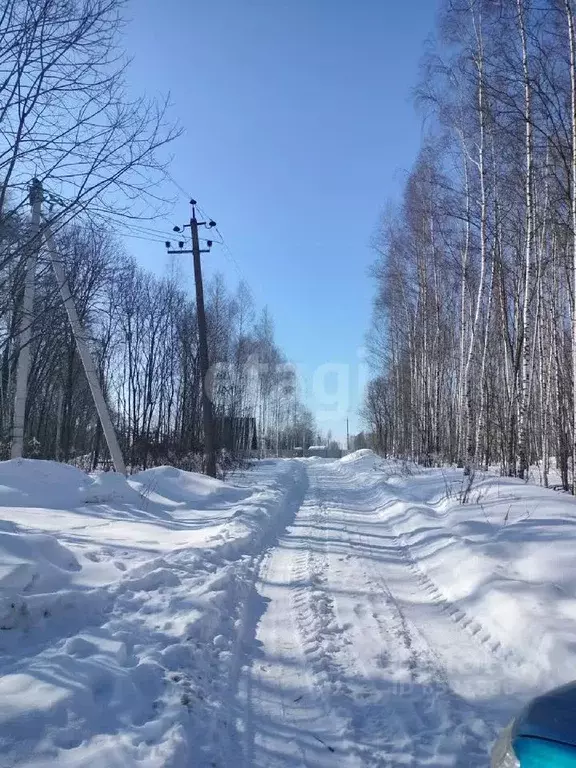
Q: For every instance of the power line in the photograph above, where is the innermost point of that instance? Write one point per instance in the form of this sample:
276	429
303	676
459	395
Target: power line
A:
137	231
187	195
134	236
159	237
227	252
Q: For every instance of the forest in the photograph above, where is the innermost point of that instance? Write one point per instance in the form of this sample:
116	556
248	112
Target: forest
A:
66	119
473	336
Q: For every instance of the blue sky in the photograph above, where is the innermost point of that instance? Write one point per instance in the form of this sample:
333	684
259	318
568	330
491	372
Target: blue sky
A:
298	128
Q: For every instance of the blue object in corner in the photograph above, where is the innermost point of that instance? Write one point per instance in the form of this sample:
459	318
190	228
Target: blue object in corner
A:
537	753
544	734
551	716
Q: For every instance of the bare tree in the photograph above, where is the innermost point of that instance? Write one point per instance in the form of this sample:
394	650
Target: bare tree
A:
65	115
501	369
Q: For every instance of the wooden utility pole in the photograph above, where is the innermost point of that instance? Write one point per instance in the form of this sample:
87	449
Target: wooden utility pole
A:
36	196
207	415
347	436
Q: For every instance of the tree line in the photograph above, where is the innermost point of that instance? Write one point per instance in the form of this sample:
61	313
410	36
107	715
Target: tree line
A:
66	118
143	336
474	323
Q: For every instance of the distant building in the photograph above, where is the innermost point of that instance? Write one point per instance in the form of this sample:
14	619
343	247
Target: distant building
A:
331	451
317	450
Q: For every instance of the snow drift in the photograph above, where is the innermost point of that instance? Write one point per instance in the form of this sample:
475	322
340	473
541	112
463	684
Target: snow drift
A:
121	608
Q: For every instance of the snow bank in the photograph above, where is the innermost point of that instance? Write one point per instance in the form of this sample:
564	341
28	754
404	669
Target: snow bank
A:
502	564
506	558
363	460
34	563
355	456
111	488
176	486
45	484
121	609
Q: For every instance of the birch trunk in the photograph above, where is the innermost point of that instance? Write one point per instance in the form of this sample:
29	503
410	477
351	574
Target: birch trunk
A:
523	447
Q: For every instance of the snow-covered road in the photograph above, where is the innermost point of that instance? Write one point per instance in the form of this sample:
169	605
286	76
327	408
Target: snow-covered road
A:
357	660
306	613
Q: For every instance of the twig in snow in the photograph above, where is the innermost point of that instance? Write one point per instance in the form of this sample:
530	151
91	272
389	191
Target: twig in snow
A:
331	749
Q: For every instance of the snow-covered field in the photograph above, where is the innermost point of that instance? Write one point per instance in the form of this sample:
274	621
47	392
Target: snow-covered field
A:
305	613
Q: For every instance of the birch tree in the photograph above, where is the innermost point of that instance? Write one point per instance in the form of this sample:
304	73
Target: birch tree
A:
500	91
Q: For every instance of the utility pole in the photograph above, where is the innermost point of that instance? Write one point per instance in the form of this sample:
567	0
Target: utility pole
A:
25	336
36	196
85	356
207	415
347	436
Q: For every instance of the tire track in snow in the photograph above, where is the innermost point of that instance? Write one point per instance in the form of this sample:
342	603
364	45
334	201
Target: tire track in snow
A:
413	730
247	728
382	723
314	611
286	717
359	672
322	637
437	708
471	626
517	665
457	614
